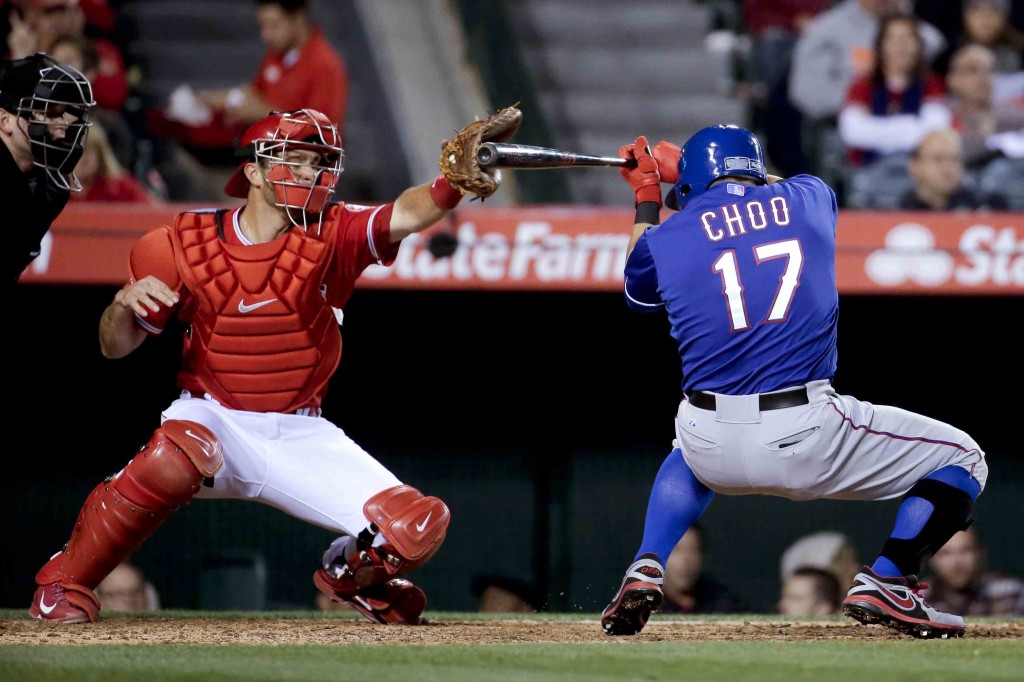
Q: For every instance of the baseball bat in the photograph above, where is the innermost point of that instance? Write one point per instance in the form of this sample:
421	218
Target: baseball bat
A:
506	155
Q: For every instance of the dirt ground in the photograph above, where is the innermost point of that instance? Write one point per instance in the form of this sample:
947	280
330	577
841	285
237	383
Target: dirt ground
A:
333	631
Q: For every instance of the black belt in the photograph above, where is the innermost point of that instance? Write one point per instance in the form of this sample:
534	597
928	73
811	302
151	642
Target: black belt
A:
765	401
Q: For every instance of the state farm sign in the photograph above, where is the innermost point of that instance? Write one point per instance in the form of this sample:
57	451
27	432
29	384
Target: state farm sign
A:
925	253
580	248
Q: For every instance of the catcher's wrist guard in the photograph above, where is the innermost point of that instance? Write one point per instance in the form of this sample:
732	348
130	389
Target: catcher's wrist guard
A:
444	195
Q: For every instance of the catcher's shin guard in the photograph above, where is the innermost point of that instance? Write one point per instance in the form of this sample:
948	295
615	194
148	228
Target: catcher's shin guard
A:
414	527
125	509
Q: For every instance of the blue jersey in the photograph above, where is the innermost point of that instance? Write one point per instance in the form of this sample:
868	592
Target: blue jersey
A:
747	277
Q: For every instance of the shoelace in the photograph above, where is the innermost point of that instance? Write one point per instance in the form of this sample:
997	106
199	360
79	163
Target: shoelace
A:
918	588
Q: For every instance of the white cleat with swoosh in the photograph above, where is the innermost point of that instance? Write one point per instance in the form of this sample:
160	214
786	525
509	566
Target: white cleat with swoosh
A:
896	602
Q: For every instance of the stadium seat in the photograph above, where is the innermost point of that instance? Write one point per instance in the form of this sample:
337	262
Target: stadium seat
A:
1003	177
881	185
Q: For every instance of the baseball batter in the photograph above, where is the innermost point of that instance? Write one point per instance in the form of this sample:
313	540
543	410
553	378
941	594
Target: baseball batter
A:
746	274
257	288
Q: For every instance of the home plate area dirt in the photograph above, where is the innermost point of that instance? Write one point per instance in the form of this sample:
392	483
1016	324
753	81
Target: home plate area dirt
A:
262	631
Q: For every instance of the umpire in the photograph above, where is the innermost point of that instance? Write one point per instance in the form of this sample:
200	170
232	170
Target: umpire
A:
44	119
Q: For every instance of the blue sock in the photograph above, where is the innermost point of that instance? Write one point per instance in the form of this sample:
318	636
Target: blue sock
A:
915	512
677	500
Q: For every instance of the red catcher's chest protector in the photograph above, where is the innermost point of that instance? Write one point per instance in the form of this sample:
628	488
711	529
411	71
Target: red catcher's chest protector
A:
261	337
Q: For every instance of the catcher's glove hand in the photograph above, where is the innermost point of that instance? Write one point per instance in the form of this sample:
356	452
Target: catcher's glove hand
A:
458	154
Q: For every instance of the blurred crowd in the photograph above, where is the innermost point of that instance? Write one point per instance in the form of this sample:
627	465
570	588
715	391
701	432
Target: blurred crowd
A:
143	148
814	572
897	104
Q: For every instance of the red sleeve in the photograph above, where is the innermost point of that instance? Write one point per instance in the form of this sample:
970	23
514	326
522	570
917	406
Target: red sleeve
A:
934	88
99	14
154	255
110	87
364	237
133	191
259	84
328	91
859	92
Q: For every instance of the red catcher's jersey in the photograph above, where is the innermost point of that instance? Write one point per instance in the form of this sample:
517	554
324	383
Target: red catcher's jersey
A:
261	333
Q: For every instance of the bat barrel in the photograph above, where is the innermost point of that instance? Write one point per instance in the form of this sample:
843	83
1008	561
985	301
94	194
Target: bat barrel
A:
506	155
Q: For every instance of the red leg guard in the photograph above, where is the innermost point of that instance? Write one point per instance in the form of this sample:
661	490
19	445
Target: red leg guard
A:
127	508
413	524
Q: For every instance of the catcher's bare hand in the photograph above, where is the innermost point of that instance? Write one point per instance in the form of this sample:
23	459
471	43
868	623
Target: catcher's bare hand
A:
458	154
149	293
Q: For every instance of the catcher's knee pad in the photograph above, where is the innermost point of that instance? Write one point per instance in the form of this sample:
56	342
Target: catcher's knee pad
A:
170	468
950	512
125	509
413	524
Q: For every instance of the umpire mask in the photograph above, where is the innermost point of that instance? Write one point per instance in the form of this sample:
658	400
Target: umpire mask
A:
55	100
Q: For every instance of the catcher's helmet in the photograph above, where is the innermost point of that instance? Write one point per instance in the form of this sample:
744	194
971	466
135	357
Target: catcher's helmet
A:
55	100
268	141
712	153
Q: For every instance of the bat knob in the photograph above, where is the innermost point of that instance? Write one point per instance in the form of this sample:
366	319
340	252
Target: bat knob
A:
484	155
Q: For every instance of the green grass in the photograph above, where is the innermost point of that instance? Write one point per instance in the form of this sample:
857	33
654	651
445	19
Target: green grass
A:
619	660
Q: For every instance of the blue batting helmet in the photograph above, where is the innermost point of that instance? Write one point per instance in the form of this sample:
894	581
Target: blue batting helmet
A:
712	153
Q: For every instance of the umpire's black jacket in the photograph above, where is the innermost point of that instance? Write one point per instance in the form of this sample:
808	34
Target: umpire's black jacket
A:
29	203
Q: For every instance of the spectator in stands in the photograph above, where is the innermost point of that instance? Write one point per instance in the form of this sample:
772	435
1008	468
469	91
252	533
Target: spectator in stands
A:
828	551
504	594
810	591
962	584
987	22
937	170
126	589
300	69
328	605
901	101
988	130
688	589
774	26
37	24
79	51
836	49
102	177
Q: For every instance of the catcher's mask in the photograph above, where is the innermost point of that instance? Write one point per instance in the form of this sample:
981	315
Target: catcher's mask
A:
272	143
712	153
55	100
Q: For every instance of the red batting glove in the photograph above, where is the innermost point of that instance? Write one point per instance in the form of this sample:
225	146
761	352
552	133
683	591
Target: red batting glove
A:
644	177
667	155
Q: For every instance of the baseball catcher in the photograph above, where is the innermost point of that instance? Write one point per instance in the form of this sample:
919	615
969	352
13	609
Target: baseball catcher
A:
458	155
258	288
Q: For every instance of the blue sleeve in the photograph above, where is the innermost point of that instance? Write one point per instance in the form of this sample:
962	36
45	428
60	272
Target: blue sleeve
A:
641	278
823	196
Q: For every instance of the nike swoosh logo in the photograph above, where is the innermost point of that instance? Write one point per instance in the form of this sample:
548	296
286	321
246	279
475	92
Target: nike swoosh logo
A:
421	526
906	601
44	608
243	308
207	445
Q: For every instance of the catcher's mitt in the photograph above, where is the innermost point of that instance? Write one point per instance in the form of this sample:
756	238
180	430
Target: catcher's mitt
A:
458	154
